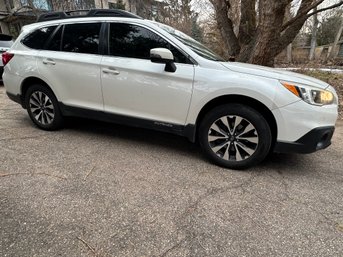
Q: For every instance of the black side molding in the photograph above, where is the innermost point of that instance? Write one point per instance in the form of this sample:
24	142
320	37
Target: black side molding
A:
186	131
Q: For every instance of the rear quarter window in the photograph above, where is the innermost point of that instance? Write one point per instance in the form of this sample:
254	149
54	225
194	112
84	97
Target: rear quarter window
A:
38	38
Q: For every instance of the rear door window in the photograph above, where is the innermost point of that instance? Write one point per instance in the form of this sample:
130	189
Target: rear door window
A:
81	38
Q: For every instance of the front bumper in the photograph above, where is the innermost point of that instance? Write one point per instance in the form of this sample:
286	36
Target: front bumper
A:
316	139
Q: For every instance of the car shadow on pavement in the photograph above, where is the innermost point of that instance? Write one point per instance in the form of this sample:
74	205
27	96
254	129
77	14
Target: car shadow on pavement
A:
167	140
283	159
136	135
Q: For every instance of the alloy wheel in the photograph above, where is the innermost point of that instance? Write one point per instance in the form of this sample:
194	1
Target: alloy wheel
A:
42	108
233	138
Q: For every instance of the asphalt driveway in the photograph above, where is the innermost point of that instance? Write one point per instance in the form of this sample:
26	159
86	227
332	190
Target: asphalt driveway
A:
96	189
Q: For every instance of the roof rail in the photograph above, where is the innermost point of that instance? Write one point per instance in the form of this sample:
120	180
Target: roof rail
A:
86	13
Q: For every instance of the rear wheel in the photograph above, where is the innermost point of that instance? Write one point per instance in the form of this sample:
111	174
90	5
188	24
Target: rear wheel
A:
42	107
235	136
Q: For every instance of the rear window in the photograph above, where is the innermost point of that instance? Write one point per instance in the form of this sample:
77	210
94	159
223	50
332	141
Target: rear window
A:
38	38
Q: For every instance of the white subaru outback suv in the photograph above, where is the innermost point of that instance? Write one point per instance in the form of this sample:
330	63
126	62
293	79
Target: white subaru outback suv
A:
114	66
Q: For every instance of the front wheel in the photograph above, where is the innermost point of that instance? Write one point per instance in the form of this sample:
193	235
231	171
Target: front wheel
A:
235	136
42	107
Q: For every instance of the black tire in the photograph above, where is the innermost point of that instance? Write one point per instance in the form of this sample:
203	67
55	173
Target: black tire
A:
50	117
218	131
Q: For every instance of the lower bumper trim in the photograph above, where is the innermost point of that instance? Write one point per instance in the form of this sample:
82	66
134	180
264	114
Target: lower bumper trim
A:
15	98
316	139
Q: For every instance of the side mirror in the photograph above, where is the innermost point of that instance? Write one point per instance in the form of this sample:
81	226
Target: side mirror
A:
165	56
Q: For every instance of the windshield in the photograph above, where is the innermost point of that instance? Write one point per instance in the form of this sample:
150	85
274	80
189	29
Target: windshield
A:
194	45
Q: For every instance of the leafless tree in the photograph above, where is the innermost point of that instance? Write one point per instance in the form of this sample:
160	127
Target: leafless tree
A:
263	30
314	35
179	14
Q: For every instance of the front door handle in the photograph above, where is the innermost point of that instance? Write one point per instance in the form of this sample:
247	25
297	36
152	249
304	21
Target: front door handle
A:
111	71
49	61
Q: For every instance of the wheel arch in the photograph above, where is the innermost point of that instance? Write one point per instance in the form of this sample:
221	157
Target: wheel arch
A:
29	81
239	99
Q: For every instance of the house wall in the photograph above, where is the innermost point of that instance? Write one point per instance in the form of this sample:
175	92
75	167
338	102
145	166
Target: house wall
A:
3	25
4	28
16	4
130	5
2	6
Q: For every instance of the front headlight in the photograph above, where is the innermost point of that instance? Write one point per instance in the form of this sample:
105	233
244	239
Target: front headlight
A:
310	94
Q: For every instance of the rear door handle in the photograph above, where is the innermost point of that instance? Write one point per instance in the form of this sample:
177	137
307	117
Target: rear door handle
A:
49	61
111	71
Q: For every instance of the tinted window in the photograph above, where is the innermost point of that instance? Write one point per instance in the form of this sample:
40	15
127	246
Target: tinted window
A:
127	40
55	43
81	38
38	38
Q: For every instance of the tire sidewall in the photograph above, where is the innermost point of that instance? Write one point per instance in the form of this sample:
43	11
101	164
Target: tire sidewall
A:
251	115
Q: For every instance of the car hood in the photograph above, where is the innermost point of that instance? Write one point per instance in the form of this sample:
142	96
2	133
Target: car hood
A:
275	74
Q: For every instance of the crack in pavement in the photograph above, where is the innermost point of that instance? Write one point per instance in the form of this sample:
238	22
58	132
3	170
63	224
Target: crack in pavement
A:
186	227
213	191
175	246
297	201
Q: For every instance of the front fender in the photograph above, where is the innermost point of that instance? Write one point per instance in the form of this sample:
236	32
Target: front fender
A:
212	84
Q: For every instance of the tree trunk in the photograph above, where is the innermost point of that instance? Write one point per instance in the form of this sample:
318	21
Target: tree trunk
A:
247	29
314	36
332	52
289	50
264	50
289	53
225	26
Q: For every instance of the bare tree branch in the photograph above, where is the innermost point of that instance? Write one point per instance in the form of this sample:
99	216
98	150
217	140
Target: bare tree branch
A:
260	42
292	27
325	9
305	7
